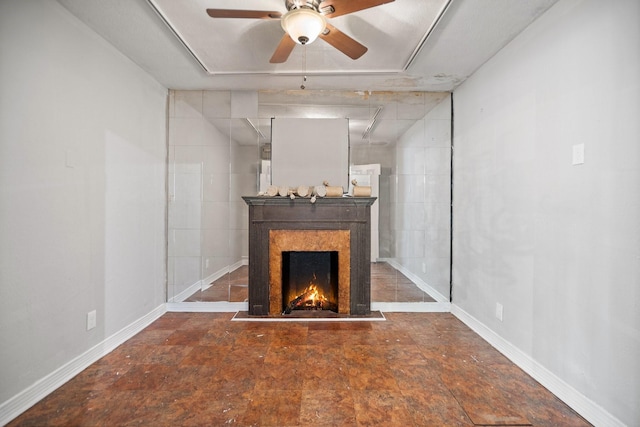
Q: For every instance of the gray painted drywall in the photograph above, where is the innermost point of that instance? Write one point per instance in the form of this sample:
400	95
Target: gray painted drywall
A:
558	245
82	185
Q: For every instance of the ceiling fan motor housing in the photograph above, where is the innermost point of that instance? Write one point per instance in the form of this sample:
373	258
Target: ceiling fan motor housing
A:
303	22
298	4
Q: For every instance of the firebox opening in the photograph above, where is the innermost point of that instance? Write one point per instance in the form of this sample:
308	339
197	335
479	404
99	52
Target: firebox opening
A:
309	281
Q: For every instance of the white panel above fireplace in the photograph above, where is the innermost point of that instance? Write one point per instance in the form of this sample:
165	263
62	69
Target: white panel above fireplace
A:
310	151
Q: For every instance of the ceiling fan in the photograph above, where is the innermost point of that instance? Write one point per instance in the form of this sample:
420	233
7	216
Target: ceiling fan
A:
306	20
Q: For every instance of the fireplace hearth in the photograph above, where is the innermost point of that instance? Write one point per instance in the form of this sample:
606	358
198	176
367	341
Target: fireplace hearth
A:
336	229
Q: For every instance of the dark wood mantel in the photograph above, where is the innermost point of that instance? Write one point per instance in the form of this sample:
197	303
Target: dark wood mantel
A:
329	213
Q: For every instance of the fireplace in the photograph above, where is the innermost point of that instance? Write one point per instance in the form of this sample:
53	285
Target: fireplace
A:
309	241
309	281
333	231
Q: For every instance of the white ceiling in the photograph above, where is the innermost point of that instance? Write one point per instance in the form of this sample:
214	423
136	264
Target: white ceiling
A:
236	51
233	46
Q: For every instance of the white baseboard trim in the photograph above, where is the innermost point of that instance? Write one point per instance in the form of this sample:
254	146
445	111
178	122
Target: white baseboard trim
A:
206	282
584	406
411	307
28	397
238	264
208	307
187	292
417	280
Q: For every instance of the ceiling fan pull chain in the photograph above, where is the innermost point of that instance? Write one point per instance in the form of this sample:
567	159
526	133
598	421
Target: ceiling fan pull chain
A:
304	67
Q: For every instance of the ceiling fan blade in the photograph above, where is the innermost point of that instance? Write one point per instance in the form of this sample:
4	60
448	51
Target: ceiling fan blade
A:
237	13
284	49
343	7
343	42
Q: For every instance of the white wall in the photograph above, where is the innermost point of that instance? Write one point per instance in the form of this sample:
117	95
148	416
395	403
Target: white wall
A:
558	245
82	191
421	198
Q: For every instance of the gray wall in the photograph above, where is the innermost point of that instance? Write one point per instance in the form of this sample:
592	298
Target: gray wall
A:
82	185
557	245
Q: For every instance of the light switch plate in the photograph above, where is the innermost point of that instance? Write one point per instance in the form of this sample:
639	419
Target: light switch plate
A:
70	158
578	154
91	320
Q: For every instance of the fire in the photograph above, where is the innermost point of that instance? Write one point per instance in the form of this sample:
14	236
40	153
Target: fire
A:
310	299
314	296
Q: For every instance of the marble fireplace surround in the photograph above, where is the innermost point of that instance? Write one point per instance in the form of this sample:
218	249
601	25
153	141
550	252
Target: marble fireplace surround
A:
305	241
279	224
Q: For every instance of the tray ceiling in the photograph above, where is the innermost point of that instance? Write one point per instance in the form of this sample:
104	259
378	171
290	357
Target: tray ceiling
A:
184	49
392	32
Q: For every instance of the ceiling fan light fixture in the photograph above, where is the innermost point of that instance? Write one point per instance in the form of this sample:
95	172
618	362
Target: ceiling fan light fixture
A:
303	25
